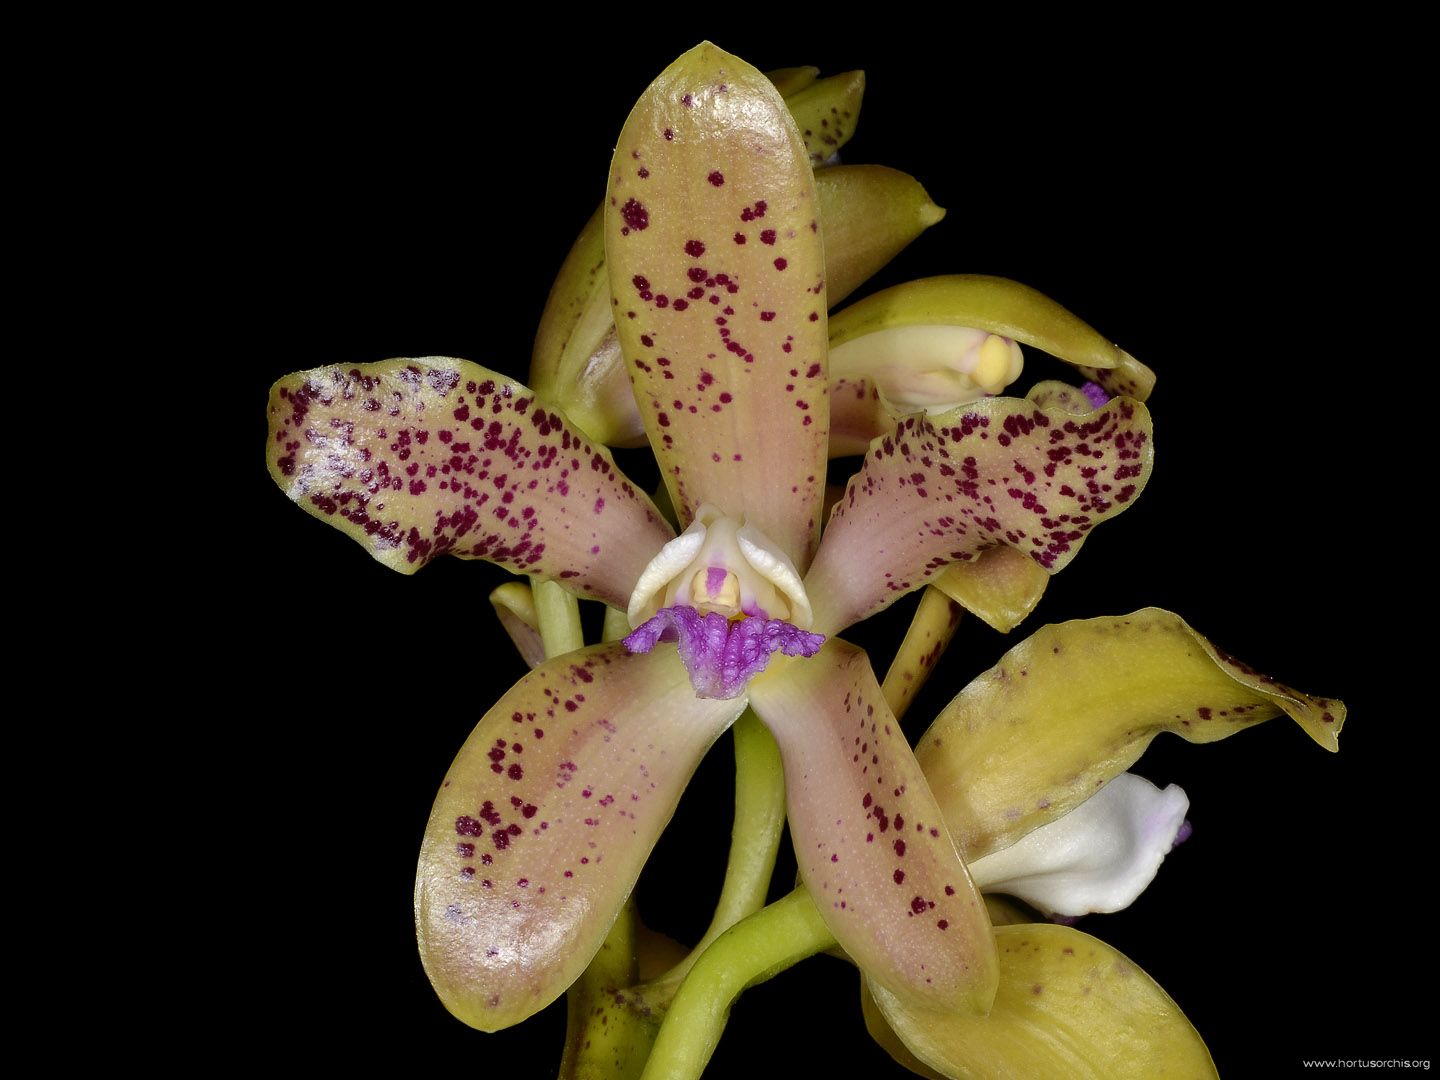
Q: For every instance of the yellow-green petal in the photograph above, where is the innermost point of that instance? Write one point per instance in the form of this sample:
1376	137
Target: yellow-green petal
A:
717	275
1075	705
1068	1006
1001	586
418	458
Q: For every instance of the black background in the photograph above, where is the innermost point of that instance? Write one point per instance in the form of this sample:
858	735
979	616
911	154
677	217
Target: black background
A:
412	193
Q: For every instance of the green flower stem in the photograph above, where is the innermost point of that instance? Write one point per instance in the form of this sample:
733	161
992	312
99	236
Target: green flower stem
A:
753	950
617	625
558	613
754	841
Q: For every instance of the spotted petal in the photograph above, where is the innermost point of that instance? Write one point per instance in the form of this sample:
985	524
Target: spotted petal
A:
1075	705
716	266
544	821
416	458
1068	1005
869	837
944	488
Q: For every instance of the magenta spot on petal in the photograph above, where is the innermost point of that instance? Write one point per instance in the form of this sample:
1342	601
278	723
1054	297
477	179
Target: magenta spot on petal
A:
635	215
717	178
694	248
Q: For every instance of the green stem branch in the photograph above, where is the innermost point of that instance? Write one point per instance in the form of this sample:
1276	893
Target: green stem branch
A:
753	950
754	842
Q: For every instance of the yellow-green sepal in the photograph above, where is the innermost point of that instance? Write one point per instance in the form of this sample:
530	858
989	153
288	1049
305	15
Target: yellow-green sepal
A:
576	360
605	1039
869	214
1128	378
929	634
514	604
996	305
792	80
1068	1005
1001	586
1075	705
826	112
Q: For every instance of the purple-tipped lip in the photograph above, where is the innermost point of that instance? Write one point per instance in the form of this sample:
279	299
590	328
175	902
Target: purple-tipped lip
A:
722	656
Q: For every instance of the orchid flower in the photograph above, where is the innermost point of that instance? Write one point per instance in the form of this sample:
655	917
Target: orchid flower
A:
551	807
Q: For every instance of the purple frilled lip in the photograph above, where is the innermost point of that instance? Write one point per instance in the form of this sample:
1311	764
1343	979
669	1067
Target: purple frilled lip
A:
722	656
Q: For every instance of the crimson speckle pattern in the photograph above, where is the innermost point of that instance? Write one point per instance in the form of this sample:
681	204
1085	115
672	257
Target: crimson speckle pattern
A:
942	489
868	833
419	458
546	817
720	298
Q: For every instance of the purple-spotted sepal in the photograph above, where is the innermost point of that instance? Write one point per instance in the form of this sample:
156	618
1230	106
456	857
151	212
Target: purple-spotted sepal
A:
722	655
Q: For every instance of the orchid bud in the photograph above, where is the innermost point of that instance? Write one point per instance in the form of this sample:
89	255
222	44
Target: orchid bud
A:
931	368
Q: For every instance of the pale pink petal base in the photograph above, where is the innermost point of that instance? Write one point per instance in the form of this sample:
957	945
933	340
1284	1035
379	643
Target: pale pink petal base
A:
544	821
872	846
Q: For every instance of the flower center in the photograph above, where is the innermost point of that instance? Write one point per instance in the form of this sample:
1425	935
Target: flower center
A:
720	565
728	597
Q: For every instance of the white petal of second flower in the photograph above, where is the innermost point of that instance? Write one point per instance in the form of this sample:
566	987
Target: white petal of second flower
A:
1098	857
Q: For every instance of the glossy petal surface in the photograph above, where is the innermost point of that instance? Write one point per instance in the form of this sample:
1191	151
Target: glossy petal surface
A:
942	489
1075	705
1068	1006
418	458
716	266
871	843
544	821
1098	857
